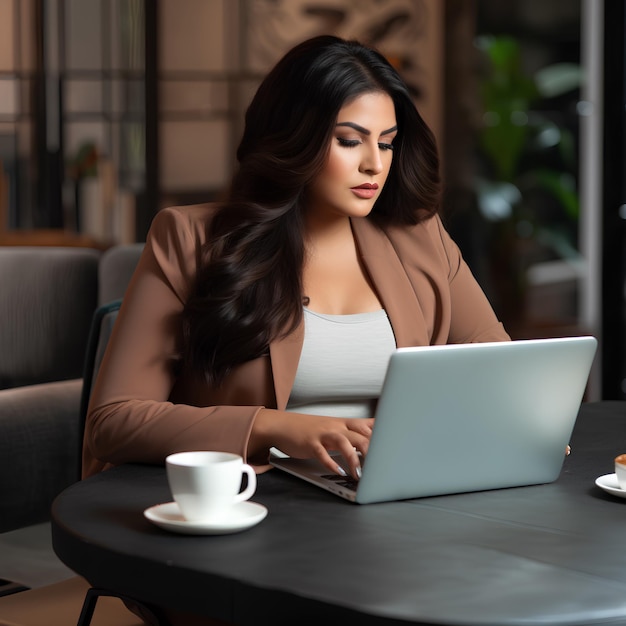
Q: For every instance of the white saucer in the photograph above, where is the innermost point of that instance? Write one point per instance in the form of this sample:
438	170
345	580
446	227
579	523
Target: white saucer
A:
243	515
609	483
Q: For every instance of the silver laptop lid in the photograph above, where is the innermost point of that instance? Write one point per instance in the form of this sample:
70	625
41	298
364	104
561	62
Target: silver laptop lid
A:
470	417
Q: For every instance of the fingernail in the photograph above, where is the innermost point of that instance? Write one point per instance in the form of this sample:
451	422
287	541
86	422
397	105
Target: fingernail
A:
358	472
341	471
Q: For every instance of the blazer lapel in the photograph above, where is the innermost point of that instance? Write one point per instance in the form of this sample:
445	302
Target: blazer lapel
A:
391	283
284	357
394	289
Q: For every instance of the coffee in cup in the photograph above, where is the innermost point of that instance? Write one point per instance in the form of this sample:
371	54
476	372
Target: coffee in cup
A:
206	485
620	470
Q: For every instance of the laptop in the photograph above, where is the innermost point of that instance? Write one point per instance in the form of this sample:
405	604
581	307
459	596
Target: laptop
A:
467	417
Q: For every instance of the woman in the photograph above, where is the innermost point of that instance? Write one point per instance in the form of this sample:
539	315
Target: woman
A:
267	320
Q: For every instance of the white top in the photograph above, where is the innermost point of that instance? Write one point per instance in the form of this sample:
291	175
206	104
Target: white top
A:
343	364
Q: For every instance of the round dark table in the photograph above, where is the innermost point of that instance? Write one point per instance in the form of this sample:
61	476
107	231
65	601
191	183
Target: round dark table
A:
549	554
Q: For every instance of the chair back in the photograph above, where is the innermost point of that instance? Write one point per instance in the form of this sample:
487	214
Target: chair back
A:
101	328
116	268
48	297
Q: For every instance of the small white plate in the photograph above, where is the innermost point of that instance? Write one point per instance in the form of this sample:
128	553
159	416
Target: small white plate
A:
609	483
243	515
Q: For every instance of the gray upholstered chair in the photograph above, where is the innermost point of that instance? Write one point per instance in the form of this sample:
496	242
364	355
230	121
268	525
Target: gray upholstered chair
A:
47	298
47	301
73	601
115	270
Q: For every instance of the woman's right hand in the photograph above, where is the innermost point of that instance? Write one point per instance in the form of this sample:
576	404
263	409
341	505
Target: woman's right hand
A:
312	436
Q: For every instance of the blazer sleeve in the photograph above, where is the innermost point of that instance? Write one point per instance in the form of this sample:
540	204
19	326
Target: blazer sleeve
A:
130	418
472	318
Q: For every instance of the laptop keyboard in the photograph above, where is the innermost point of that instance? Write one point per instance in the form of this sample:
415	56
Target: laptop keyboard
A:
343	481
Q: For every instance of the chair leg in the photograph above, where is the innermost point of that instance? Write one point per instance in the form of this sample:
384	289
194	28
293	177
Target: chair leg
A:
155	615
8	587
89	606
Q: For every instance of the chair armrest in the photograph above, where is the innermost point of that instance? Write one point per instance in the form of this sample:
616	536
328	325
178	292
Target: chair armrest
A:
39	449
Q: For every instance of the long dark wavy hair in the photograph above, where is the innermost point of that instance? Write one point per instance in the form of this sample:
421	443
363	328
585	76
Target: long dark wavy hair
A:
249	288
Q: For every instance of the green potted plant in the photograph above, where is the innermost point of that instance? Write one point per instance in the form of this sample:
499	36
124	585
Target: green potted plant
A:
526	183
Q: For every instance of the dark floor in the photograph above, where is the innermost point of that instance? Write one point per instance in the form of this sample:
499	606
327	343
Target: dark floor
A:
27	558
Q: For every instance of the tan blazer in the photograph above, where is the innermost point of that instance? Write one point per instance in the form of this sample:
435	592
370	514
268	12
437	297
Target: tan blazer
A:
141	410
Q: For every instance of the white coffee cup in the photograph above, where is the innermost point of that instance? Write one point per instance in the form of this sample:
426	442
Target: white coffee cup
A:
206	485
620	470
